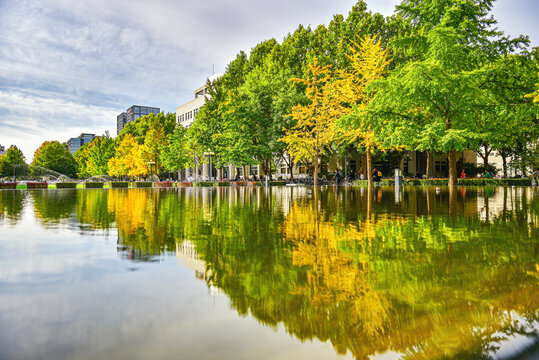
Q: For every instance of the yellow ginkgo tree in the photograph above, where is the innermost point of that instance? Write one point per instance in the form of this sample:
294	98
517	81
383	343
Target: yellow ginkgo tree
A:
368	63
308	140
129	159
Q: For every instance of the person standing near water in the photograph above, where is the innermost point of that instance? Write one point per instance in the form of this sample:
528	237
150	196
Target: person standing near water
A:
535	177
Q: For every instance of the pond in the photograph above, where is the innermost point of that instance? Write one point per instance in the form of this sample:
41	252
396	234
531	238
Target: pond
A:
280	273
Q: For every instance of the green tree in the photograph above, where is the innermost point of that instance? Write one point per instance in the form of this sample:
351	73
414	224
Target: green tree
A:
92	158
175	154
13	162
55	156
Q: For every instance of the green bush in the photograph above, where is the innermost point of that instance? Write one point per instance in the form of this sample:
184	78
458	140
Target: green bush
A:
118	184
66	185
142	184
203	183
92	185
278	183
221	183
494	182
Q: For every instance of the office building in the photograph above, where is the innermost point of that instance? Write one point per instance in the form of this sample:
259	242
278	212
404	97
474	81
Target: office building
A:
185	114
121	120
133	113
2	150
74	143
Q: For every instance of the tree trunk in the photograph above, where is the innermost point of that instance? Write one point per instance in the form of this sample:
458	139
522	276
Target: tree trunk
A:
291	167
369	168
316	171
364	165
245	177
428	165
504	160
452	159
485	158
261	167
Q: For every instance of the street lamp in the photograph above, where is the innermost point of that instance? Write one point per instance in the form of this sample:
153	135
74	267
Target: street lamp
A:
151	163
209	155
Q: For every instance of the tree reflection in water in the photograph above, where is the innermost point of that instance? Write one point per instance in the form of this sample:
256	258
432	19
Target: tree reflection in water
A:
428	274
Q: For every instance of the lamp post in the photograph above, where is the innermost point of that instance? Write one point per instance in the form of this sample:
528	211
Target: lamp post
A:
209	155
151	163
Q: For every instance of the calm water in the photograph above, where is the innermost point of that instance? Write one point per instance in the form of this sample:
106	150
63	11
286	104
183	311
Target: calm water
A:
292	273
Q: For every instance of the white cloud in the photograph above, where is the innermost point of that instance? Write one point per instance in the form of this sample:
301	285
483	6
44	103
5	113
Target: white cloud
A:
106	56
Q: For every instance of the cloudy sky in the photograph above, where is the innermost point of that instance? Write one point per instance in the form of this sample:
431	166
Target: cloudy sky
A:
68	67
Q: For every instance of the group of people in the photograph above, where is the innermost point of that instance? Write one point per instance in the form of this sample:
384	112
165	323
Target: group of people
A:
338	176
487	174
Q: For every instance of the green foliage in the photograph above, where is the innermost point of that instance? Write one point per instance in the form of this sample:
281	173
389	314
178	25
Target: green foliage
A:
175	153
203	183
142	184
13	162
92	185
66	185
92	159
118	184
55	156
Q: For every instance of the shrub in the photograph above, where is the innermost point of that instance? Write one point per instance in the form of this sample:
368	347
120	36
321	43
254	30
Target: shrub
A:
254	183
142	184
278	183
66	185
118	184
203	183
221	183
163	184
92	185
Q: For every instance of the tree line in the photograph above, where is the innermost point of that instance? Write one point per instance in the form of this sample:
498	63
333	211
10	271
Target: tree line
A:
435	77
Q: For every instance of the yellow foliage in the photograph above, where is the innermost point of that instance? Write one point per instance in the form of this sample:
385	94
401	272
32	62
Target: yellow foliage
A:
368	63
314	128
130	159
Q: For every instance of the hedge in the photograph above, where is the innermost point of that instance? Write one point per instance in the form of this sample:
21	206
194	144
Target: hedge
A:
66	185
92	185
37	185
203	183
221	183
254	183
118	184
461	182
10	186
277	183
142	184
163	184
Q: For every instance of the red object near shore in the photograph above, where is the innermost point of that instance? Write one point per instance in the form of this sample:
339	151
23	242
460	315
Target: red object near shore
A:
37	185
163	184
8	186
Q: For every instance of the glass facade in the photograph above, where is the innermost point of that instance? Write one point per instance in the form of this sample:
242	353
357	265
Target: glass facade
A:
121	120
137	111
74	143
